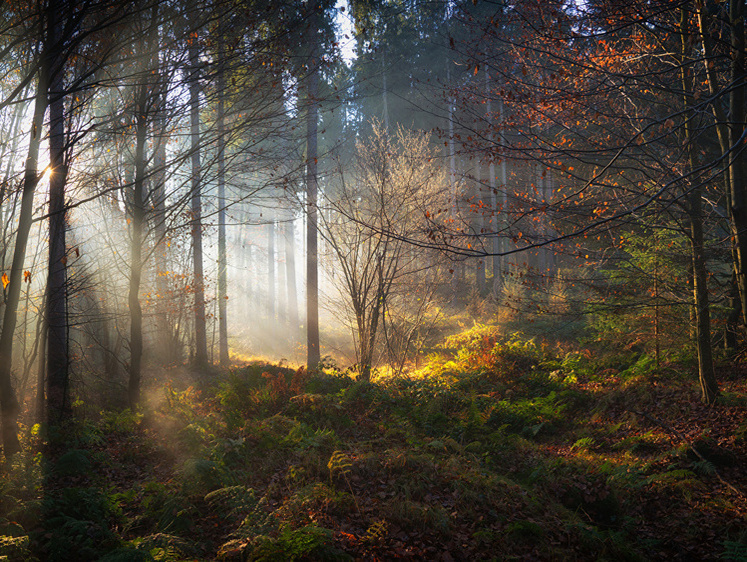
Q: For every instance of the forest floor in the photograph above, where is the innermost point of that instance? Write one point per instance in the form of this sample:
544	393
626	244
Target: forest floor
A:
504	451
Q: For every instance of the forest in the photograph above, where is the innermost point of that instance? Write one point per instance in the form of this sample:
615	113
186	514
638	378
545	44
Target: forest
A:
304	280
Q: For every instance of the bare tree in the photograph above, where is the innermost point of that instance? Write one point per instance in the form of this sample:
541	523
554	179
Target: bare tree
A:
386	201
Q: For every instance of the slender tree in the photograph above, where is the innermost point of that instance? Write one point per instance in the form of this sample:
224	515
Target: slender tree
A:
312	259
201	356
8	401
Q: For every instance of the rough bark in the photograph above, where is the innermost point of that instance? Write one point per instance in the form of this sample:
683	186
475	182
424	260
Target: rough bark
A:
312	269
706	373
201	355
222	263
57	341
290	279
136	259
738	211
271	288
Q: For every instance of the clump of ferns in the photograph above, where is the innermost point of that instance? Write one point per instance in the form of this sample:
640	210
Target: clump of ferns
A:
340	464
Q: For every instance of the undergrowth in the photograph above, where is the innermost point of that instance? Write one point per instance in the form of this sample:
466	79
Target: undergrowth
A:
499	446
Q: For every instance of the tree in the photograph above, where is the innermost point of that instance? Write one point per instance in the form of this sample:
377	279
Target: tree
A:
193	78
8	401
394	187
312	259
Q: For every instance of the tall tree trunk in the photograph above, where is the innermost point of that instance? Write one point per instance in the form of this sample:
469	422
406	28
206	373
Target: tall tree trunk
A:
271	285
8	402
384	89
158	194
57	340
136	248
723	134
290	279
455	283
222	263
495	246
707	377
312	268
737	161
41	373
479	228
201	356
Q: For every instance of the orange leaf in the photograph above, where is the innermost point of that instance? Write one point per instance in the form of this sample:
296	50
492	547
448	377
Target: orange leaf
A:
5	280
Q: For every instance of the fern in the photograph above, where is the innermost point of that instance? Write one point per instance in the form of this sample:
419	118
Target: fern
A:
583	444
704	467
736	551
339	463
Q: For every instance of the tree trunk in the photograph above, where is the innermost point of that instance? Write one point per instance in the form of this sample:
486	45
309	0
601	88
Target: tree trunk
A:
9	408
158	194
58	407
495	246
201	356
737	161
290	279
136	260
707	377
271	288
312	269
41	374
479	228
222	263
723	134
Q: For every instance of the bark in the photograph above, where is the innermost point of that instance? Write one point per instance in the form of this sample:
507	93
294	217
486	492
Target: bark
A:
136	259
495	247
222	263
455	282
165	331
58	407
290	279
722	132
312	268
479	228
9	408
737	161
384	89
201	356
271	288
706	373
41	374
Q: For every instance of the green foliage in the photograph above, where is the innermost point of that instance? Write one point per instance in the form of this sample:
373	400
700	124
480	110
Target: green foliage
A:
495	445
77	524
643	366
127	555
650	270
164	510
200	476
233	501
583	444
309	542
75	462
735	551
120	422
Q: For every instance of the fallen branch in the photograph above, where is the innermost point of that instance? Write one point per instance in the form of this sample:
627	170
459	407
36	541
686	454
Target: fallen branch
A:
682	438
